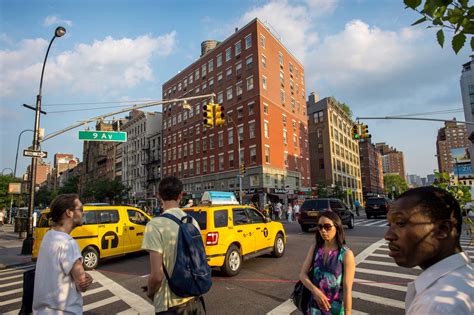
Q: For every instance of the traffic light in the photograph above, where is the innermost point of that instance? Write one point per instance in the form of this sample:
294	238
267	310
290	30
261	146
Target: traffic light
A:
208	113
355	132
242	168
365	132
219	117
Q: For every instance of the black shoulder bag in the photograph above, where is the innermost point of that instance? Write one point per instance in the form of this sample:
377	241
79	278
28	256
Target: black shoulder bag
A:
301	295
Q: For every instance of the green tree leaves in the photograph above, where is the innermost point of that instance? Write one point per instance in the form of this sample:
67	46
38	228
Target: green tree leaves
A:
448	15
461	193
392	181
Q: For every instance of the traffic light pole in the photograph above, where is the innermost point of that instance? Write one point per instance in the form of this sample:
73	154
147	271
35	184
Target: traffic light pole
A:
413	118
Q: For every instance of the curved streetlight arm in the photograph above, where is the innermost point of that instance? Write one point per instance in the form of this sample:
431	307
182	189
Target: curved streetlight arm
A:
17	148
6	168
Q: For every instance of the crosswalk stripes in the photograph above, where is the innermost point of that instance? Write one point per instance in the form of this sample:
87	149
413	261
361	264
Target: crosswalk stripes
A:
103	295
371	222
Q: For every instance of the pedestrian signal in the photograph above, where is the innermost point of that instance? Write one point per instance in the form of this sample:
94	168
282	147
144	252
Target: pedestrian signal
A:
355	132
219	116
365	132
208	113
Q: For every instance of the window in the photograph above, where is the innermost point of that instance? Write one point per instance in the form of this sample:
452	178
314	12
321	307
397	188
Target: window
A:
249	83
220	97
229	93
212	166
249	62
196	74
253	155
239	217
108	216
240	112
280	58
282	78
219	60
264	82
211	142
282	97
252	130
265	108
219	79
220	218
228	54
294	126
267	154
265	129
137	217
283	118
238	88
203	70
241	134
89	217
190	79
238	69
221	140
251	108
238	48
264	61
228	73
262	40
191	149
231	159
230	136
248	41
285	158
211	84
221	162
285	140
295	142
210	65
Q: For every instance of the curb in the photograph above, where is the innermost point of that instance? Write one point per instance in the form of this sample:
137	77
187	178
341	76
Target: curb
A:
14	265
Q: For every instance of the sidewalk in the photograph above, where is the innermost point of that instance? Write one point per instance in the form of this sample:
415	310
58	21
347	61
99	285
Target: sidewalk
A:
10	249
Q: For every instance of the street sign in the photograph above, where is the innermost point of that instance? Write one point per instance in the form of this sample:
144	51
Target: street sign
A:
118	136
32	153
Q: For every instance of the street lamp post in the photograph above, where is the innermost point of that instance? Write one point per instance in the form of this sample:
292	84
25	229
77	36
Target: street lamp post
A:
17	148
27	247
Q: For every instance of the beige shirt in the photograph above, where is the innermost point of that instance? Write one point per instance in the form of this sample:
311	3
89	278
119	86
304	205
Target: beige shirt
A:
161	235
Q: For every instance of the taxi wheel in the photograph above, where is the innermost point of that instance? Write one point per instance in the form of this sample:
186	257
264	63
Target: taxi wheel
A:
90	258
233	261
351	224
279	246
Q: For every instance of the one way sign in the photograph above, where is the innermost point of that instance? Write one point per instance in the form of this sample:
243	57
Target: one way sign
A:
32	153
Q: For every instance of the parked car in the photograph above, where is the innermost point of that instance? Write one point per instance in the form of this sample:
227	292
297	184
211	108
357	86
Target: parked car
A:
377	206
312	207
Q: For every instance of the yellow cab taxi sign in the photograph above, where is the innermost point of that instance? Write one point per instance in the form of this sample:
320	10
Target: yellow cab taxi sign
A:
232	233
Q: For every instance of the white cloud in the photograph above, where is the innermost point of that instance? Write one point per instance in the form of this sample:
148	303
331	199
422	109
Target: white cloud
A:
106	66
54	20
290	22
319	7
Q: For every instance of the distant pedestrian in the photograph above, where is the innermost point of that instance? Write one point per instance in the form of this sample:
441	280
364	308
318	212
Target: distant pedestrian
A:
357	206
289	212
425	226
161	241
271	210
296	210
2	218
60	277
278	210
329	268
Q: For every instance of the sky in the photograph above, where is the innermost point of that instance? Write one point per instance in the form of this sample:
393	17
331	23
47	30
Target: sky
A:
362	52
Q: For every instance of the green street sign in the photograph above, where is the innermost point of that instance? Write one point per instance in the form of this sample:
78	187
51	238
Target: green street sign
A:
118	136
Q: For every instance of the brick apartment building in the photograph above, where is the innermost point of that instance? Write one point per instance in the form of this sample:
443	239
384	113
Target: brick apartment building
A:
371	169
393	161
334	154
261	86
451	136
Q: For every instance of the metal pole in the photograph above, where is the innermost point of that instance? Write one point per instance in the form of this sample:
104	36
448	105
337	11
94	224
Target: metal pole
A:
17	148
239	171
412	118
27	247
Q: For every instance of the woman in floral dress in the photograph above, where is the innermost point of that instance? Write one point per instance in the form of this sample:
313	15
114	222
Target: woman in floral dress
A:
329	268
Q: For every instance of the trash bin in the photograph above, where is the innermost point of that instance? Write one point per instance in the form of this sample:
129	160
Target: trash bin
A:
21	225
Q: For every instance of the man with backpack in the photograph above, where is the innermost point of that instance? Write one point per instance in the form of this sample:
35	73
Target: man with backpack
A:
179	273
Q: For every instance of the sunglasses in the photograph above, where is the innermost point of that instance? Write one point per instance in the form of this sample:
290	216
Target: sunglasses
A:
326	226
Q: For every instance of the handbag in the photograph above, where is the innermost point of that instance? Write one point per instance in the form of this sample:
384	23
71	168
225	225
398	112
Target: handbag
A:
301	295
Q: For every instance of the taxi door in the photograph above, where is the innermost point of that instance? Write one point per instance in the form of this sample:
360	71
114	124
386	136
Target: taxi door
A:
259	226
110	231
243	230
134	228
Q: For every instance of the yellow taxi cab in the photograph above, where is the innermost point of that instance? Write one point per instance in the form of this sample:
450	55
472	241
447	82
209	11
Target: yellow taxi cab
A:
232	233
106	231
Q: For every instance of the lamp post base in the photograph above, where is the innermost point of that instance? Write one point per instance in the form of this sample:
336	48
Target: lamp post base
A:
27	247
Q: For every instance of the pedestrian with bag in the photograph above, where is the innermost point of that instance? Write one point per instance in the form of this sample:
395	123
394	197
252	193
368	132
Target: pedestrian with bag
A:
179	272
328	269
425	227
60	277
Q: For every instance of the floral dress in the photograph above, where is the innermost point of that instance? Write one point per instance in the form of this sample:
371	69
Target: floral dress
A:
328	278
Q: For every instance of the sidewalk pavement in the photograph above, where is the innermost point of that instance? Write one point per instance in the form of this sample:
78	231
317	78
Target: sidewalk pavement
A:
10	249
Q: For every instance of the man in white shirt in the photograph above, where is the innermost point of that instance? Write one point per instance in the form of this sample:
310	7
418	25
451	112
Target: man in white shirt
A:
59	276
424	230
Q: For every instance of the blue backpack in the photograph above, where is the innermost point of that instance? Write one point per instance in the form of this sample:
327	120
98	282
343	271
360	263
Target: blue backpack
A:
191	273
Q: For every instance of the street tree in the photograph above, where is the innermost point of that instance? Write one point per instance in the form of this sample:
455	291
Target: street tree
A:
5	197
44	196
71	186
460	192
106	190
394	182
455	16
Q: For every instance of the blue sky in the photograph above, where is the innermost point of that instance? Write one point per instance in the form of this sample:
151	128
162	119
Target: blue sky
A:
363	52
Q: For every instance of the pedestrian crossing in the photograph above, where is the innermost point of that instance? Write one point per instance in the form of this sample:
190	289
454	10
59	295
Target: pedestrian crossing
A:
103	297
371	222
380	285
